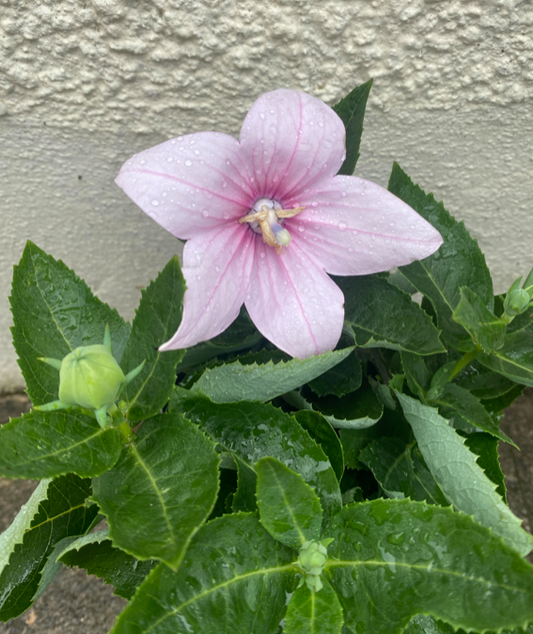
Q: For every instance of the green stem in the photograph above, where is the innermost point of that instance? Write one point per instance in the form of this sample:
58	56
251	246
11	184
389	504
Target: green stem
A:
127	432
463	362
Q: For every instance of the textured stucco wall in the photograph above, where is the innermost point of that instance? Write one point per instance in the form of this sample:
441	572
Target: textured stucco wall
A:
86	83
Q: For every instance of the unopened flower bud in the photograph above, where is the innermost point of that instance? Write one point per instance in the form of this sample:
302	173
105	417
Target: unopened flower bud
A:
90	377
312	558
516	302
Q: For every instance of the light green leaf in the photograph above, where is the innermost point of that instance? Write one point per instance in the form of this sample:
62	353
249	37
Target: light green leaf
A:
486	330
514	360
48	444
161	490
457	473
156	320
485	447
314	612
236	382
288	507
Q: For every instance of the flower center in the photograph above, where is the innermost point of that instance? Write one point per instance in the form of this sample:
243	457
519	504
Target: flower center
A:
266	217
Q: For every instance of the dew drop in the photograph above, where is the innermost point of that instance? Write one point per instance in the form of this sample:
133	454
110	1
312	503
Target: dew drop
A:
392	224
170	159
262	255
342	226
143	162
226	215
188	163
224	184
344	194
155	202
205	213
301	228
262	115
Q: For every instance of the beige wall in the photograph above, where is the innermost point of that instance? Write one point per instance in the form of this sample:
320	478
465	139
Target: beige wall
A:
86	83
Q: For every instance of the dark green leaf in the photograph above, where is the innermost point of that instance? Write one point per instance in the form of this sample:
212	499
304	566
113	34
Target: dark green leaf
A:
157	319
486	330
382	316
416	373
314	612
483	383
440	380
459	261
485	447
351	109
457	473
244	498
56	510
48	444
234	578
407	558
250	431
95	554
514	360
288	507
495	406
55	312
162	488
344	378
323	433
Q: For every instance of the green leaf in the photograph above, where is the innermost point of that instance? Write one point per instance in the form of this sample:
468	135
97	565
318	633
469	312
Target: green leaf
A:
461	479
161	490
48	444
156	321
314	612
456	401
407	558
234	578
323	433
401	471
428	625
54	312
288	507
486	330
416	373
95	554
250	431
344	378
514	360
485	447
56	510
351	110
483	383
380	315
236	382
459	261
244	498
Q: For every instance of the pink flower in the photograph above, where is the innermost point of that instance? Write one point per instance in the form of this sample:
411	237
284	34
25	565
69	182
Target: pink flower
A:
265	219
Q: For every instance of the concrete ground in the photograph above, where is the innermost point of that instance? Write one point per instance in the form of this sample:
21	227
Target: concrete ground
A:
76	603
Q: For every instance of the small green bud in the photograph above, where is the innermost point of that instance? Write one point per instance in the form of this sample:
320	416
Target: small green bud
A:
312	557
90	377
516	302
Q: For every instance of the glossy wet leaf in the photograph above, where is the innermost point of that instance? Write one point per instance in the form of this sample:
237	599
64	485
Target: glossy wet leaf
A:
250	431
55	511
457	473
96	554
416	373
156	320
407	558
234	382
314	612
48	444
323	433
351	109
514	360
486	330
54	312
344	378
458	262
380	315
288	507
161	490
234	578
485	447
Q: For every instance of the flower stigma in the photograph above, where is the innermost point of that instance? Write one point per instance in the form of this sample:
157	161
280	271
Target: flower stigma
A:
266	217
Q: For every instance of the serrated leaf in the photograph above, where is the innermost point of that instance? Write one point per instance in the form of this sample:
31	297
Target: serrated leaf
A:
460	478
251	431
288	507
54	312
48	444
486	330
351	110
456	401
95	554
407	558
314	612
483	383
156	320
485	447
514	360
344	378
234	576
323	433
55	511
380	315
235	382
161	490
416	373
459	261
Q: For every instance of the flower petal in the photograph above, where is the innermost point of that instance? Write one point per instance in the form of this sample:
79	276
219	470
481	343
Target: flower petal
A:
293	303
217	268
189	184
290	141
355	227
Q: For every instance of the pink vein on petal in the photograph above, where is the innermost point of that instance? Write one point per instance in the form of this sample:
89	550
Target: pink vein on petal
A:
294	150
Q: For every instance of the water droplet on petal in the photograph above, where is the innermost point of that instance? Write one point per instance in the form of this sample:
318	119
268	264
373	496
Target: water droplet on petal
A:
143	162
342	226
344	194
262	255
301	228
188	163
205	213
155	202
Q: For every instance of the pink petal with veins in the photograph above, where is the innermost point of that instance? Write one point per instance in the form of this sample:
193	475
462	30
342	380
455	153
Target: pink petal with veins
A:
355	227
217	268
190	184
293	303
291	141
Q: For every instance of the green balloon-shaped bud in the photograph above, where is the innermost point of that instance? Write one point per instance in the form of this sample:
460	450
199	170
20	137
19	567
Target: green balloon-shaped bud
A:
516	302
90	377
312	557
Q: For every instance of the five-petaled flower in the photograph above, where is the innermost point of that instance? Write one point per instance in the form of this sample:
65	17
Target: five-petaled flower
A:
266	218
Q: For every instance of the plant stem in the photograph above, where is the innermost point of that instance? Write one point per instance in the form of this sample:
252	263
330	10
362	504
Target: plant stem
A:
463	362
126	432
